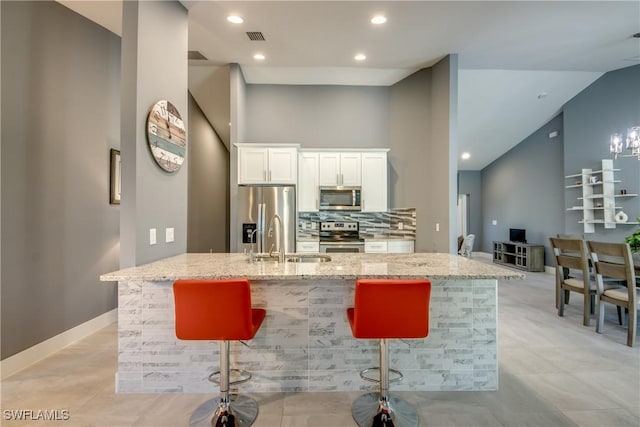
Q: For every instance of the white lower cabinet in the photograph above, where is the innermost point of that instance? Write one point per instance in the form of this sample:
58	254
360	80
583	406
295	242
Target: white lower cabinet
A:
375	246
389	246
401	246
308	247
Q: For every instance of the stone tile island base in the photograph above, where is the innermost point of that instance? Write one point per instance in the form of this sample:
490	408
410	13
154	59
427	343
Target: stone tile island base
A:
305	342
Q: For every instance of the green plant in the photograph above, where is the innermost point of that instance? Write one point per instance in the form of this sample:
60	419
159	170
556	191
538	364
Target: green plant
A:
634	240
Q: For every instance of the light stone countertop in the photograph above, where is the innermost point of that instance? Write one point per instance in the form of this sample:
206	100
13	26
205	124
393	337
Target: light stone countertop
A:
436	266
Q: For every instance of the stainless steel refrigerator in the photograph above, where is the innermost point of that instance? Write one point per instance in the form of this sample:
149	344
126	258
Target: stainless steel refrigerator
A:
257	208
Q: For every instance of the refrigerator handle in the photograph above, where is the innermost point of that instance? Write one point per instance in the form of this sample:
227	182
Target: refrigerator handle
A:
259	225
262	213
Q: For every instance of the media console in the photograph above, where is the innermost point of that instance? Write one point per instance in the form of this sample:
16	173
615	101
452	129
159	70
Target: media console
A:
519	255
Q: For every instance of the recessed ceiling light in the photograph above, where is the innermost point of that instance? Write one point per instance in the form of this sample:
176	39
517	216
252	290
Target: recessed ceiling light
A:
259	56
235	19
360	57
465	156
378	19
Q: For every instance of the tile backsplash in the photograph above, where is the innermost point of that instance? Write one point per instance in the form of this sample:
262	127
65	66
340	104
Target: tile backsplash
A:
397	223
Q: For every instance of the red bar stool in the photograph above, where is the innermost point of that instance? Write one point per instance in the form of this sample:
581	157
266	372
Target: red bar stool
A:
219	310
388	309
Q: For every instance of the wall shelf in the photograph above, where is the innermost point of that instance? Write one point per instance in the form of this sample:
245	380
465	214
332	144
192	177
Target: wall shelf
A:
601	203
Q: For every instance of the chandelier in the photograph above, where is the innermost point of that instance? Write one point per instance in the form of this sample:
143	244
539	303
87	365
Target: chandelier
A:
632	143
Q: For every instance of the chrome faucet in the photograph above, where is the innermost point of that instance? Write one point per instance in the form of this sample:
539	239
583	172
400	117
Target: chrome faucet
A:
252	254
280	237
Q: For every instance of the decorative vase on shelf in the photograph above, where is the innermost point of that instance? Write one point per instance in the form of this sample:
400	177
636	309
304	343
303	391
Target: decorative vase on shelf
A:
621	217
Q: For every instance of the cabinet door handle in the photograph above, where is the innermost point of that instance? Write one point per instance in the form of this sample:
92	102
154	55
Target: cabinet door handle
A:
269	175
342	179
264	175
338	178
362	203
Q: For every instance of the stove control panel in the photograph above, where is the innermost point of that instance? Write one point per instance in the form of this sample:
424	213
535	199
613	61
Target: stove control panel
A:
339	226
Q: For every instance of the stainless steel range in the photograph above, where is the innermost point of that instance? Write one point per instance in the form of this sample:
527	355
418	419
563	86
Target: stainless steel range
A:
340	236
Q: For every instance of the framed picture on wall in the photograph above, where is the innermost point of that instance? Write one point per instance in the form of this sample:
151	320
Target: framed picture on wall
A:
115	182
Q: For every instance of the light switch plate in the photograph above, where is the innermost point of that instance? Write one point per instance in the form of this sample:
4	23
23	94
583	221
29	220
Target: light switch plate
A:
152	236
169	235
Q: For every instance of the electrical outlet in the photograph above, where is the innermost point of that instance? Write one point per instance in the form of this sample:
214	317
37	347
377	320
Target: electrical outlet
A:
169	235
437	226
494	222
152	236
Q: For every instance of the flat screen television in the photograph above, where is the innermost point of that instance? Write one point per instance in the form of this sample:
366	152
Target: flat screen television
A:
517	235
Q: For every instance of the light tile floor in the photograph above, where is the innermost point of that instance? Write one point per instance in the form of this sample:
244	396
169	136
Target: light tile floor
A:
553	372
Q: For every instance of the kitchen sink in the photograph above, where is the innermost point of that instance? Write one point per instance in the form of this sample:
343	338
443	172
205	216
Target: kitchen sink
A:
308	258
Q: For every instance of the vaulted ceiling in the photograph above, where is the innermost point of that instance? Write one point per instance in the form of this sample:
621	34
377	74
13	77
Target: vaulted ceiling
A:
520	61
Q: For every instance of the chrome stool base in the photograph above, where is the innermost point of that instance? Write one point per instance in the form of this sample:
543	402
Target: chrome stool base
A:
244	409
368	406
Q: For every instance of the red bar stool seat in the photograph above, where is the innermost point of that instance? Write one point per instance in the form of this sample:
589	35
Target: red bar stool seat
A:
386	309
219	310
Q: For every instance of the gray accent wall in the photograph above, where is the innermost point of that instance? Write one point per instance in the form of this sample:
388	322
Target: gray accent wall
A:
212	93
208	217
318	116
443	163
609	105
154	67
525	189
60	117
423	150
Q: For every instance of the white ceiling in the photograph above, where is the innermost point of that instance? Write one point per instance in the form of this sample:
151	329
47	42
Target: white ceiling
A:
509	51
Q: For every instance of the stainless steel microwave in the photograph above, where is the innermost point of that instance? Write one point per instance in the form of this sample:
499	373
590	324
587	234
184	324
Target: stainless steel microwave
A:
340	198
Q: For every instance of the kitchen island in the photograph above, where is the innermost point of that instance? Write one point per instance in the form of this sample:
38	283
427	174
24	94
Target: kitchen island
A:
305	343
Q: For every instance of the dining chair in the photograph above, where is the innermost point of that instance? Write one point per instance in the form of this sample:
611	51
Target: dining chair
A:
613	261
572	257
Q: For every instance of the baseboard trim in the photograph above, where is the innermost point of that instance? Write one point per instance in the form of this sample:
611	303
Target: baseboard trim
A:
481	255
25	358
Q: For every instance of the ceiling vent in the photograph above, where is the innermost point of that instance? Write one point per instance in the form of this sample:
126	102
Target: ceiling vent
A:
197	55
255	35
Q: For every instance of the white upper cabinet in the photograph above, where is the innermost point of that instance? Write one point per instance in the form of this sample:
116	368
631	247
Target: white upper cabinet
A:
283	165
366	169
308	182
350	168
340	168
373	195
267	165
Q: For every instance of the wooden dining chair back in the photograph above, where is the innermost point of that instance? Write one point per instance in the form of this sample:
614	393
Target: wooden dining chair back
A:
572	274
614	261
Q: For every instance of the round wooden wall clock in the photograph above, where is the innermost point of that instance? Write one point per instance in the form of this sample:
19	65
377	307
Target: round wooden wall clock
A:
166	136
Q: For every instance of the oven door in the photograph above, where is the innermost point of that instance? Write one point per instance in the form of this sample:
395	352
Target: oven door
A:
341	247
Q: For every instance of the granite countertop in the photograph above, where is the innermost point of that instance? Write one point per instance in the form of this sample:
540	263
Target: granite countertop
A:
435	266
